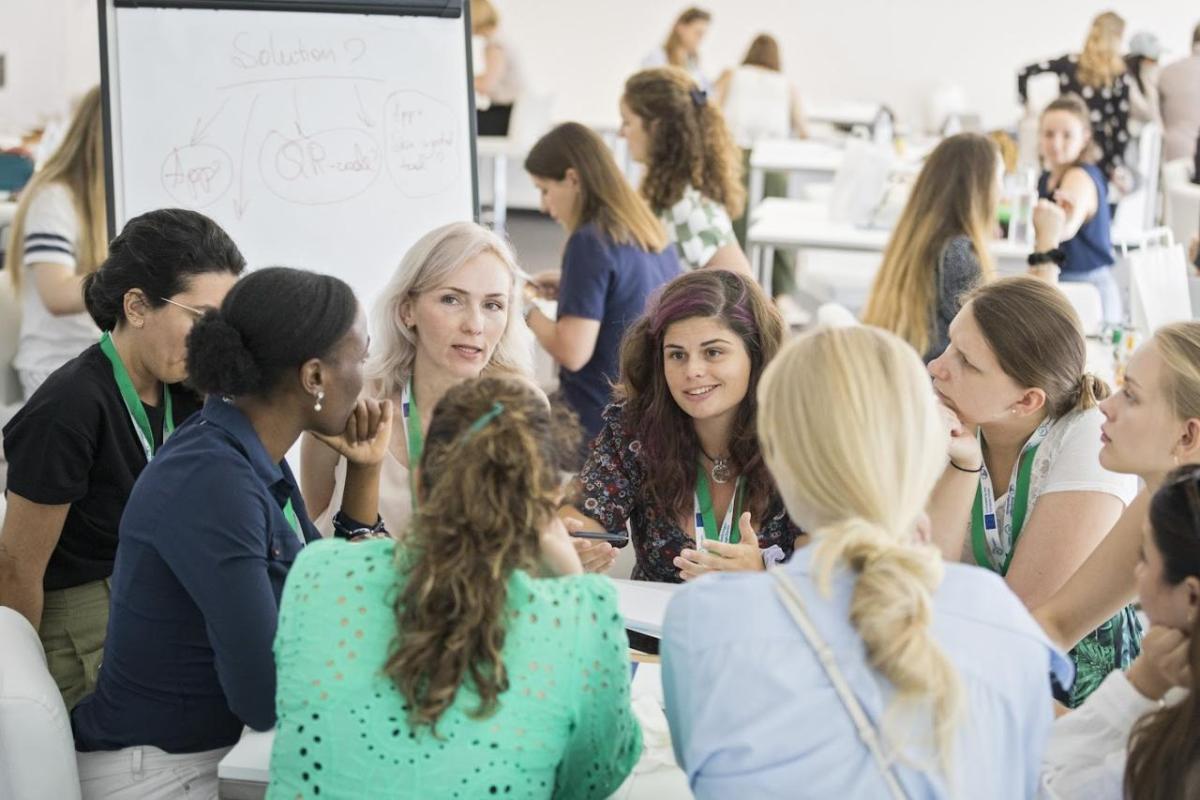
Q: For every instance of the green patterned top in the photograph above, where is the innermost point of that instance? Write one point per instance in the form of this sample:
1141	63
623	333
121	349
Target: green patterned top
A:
699	227
564	727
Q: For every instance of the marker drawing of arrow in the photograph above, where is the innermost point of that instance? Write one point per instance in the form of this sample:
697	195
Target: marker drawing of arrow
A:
240	202
362	110
200	129
296	108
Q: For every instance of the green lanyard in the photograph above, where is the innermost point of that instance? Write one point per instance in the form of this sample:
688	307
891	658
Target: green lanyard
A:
706	521
133	403
1016	509
412	434
289	513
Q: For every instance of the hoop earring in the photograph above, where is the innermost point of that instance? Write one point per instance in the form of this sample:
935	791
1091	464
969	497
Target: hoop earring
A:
320	397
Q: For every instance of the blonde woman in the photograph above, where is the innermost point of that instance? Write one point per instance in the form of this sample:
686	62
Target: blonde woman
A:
500	78
1099	76
59	235
682	47
450	312
939	249
949	668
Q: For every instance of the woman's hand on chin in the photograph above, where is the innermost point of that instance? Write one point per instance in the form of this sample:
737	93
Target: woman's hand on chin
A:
364	442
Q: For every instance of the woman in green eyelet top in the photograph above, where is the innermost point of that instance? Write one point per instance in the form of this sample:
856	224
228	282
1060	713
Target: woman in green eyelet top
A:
453	663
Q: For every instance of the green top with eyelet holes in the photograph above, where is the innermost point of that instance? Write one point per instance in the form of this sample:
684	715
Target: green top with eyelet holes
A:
564	727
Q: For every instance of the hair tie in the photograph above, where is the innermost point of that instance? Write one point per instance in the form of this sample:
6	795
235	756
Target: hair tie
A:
479	424
699	97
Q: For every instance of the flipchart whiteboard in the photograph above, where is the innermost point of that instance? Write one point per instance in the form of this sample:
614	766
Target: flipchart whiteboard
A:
326	141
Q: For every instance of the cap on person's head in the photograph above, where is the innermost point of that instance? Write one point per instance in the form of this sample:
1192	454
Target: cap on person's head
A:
1146	45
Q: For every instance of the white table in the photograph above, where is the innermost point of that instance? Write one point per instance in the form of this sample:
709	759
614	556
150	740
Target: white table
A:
780	223
845	113
809	160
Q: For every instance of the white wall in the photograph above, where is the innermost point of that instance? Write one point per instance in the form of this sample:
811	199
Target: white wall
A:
895	51
51	50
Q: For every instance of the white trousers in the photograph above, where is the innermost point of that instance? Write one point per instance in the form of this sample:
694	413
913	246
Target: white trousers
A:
147	773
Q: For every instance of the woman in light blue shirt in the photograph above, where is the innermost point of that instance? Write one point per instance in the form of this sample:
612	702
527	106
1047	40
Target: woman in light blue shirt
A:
945	671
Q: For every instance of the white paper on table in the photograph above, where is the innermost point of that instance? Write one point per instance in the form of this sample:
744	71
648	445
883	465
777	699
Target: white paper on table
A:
644	604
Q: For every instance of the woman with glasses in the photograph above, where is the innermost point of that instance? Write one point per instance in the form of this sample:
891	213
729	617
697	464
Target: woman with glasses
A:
85	435
1134	737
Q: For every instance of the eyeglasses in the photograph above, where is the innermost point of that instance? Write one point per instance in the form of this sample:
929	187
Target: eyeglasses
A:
195	311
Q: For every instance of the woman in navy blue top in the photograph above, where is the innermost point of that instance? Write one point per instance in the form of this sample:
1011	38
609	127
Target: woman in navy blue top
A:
212	527
1080	190
617	254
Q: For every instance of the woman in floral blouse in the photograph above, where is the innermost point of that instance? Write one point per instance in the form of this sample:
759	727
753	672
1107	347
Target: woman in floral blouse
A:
678	455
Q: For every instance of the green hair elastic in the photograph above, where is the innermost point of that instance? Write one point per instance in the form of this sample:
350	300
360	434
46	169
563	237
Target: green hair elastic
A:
478	425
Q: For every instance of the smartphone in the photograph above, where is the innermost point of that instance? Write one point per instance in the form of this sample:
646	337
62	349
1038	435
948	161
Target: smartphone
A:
615	538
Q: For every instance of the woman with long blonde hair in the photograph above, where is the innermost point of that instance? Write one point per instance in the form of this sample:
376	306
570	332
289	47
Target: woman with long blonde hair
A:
693	176
939	249
59	235
450	312
682	46
1098	75
847	672
616	255
474	660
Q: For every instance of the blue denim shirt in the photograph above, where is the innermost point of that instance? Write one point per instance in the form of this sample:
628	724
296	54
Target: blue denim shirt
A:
204	549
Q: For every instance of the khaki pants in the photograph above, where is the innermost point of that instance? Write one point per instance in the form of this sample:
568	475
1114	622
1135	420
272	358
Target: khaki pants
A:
147	773
74	622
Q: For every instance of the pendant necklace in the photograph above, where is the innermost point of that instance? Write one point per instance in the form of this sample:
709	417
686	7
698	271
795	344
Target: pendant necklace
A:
721	471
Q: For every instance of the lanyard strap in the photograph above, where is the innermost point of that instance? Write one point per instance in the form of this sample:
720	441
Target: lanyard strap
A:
994	547
133	403
289	513
706	524
413	437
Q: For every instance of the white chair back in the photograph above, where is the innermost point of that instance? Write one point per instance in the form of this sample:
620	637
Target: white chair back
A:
1137	211
1182	211
10	332
1085	299
37	750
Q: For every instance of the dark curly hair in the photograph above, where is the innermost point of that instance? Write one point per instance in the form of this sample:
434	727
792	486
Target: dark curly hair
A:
689	143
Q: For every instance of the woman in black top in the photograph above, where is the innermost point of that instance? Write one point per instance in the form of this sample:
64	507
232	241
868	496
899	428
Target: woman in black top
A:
1099	76
82	439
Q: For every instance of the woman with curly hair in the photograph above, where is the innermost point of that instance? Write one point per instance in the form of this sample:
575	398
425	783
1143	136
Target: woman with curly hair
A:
678	455
475	662
693	167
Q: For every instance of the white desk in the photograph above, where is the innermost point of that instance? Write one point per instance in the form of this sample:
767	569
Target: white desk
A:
804	225
846	113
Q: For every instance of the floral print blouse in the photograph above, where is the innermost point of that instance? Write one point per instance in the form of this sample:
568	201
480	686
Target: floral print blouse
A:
611	489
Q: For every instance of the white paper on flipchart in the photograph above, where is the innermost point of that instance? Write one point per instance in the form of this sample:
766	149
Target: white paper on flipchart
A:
1159	292
644	604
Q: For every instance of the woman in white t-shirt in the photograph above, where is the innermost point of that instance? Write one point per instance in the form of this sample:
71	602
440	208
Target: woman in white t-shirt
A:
682	47
1023	493
59	235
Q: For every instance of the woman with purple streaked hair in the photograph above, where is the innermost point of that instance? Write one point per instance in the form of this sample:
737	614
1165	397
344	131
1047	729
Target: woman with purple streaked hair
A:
678	455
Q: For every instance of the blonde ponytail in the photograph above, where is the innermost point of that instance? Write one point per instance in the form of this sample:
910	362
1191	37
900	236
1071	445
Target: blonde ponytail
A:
892	610
855	456
1092	390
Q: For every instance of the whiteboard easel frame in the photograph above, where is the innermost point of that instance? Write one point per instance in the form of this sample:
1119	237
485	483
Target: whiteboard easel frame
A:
109	47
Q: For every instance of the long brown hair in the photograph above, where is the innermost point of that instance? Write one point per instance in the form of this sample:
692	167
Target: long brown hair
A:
673	46
955	195
499	438
689	143
606	199
77	164
1164	746
666	432
763	52
1100	63
1038	341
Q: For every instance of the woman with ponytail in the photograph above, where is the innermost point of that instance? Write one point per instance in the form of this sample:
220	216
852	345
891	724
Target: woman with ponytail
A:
693	166
1135	737
1023	492
475	662
863	667
212	528
81	440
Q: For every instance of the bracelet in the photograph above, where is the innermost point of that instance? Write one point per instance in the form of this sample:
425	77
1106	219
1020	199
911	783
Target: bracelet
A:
1055	256
964	469
346	527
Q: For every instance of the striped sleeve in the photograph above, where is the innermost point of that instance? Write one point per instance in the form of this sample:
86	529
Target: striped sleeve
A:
51	228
